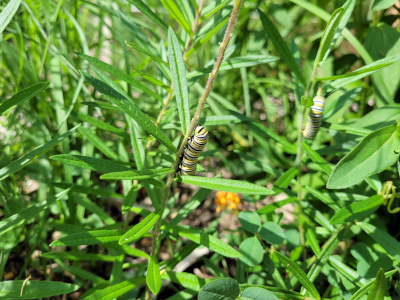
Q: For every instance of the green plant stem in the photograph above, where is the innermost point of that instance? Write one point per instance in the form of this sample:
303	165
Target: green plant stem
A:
169	96
196	22
202	101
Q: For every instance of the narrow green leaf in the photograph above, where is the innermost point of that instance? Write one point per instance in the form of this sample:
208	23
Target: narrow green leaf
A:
121	75
379	289
348	7
130	109
90	163
23	96
135	174
220	289
156	58
78	256
226	185
369	286
375	153
329	33
28	213
178	74
315	157
200	237
221	120
149	13
176	14
116	290
351	129
281	46
7	13
153	277
95	237
272	206
207	36
137	231
234	63
299	274
99	144
382	4
34	289
28	158
346	271
347	78
357	210
384	239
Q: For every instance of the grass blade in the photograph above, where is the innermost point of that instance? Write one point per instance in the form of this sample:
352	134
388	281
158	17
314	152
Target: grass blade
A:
176	14
7	13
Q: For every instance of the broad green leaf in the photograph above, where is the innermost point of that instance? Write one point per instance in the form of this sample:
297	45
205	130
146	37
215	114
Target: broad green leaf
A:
7	13
329	33
299	274
382	4
226	185
278	292
384	239
369	286
375	153
250	221
357	210
252	251
178	74
28	158
347	78
131	110
23	96
137	231
116	290
135	174
220	289
272	233
186	280
123	76
99	143
281	46
94	237
149	13
256	293
380	117
379	289
176	14
28	213
153	277
200	237
315	157
35	289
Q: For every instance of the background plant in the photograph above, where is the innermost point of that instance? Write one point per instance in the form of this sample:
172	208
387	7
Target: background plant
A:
98	100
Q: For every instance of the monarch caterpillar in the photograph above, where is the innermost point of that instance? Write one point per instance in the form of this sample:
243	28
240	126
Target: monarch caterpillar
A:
314	118
192	151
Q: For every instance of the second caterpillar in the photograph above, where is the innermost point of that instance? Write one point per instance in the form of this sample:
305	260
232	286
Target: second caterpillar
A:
192	151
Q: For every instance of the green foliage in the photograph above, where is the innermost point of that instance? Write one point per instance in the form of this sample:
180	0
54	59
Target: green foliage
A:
98	100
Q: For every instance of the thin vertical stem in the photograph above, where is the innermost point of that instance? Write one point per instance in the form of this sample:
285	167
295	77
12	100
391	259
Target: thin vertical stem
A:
202	101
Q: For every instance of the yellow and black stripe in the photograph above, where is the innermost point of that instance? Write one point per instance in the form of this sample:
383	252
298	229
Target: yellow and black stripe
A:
314	118
192	151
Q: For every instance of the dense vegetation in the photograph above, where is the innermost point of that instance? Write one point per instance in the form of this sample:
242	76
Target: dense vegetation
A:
98	100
